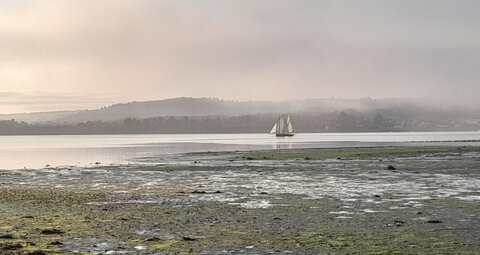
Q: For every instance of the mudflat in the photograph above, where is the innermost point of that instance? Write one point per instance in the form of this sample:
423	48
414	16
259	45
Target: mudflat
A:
379	200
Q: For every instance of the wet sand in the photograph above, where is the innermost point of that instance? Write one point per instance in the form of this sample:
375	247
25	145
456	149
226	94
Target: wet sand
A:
306	201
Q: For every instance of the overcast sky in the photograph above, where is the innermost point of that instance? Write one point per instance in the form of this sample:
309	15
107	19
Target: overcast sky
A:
73	54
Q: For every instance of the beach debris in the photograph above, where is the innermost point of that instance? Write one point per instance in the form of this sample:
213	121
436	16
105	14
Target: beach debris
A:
8	236
52	231
198	192
98	163
390	167
396	223
434	221
205	192
56	243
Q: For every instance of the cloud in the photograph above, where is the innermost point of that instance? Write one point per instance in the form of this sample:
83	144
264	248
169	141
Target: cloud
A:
140	50
40	101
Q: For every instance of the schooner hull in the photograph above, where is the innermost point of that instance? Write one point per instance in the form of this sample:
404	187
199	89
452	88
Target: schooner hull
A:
281	135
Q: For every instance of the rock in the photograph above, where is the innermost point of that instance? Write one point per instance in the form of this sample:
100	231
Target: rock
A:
419	212
52	231
98	163
390	167
198	192
434	221
15	246
153	239
189	238
56	243
249	158
308	158
264	193
376	196
6	237
37	253
28	217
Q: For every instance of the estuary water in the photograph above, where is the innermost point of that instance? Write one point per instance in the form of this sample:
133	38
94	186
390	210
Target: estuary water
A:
19	152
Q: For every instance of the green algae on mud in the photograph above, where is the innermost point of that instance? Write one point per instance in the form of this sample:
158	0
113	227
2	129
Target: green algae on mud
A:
38	219
296	228
348	153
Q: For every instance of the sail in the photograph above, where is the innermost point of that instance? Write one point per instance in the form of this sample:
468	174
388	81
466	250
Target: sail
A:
289	125
281	125
274	129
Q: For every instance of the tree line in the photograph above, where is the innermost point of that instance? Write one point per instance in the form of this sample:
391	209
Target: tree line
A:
342	121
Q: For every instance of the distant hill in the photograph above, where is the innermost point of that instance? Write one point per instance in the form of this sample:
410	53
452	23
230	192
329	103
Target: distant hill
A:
204	107
392	111
209	115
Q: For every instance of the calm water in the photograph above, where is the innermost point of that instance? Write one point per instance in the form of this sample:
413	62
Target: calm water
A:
83	150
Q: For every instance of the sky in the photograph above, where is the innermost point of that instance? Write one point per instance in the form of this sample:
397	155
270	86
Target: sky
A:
70	54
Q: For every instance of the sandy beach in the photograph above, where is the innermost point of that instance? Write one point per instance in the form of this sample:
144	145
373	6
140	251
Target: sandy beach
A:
380	200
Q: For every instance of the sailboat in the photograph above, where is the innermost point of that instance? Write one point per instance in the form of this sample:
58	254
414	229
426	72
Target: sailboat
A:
283	126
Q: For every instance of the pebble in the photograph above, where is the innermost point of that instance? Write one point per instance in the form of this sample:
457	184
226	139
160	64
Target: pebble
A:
189	238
